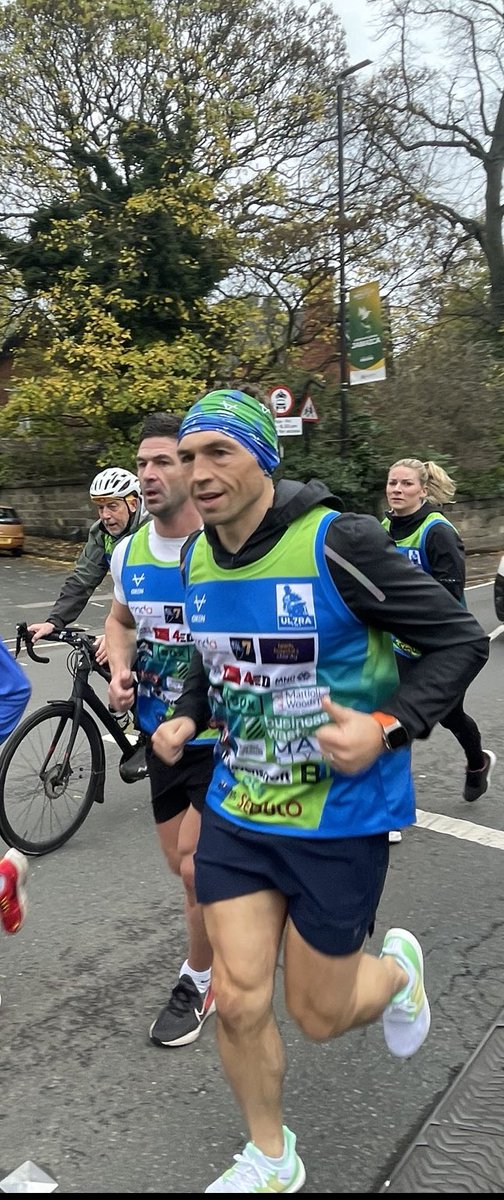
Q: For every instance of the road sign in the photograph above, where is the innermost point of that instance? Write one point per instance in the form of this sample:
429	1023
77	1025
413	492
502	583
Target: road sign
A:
282	401
308	411
288	426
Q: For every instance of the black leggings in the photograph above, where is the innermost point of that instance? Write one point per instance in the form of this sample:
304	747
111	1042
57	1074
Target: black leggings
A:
463	727
466	731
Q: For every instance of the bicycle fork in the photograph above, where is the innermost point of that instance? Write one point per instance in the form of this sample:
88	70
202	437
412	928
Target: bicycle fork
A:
55	778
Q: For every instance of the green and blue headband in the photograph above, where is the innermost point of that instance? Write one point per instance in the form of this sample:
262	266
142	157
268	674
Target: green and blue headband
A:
241	417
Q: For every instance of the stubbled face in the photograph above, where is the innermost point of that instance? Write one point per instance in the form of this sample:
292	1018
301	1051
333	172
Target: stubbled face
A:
405	493
115	514
164	484
226	482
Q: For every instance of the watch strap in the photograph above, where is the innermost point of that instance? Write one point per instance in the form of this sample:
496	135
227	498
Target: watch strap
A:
394	735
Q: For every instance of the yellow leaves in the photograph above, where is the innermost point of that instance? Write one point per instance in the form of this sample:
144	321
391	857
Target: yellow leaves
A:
103	372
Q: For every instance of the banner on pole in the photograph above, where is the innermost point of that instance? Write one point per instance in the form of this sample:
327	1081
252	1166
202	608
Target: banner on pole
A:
365	334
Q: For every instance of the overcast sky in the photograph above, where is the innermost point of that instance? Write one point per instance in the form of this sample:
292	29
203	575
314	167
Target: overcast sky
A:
360	21
357	25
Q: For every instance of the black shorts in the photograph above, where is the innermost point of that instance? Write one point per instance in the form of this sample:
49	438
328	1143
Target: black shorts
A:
173	789
332	885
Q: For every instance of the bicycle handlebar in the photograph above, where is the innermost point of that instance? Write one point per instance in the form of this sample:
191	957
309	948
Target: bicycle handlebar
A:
74	637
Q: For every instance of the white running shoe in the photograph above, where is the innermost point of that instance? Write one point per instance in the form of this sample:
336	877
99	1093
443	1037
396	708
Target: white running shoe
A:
253	1172
406	1020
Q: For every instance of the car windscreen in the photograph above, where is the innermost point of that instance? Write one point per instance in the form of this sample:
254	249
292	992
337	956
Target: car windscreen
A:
8	514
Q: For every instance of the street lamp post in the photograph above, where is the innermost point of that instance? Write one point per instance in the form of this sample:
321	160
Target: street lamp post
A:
366	62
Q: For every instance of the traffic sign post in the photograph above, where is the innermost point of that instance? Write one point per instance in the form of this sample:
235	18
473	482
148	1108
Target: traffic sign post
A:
282	401
288	426
308	411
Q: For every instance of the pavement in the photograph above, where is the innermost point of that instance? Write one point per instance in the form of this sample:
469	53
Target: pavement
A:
481	565
460	1148
53	548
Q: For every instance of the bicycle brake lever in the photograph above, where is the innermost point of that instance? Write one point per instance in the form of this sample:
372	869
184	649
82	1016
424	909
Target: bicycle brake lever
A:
24	636
20	631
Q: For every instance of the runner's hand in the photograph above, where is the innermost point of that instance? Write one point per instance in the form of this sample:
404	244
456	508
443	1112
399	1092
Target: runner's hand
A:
121	691
351	741
169	739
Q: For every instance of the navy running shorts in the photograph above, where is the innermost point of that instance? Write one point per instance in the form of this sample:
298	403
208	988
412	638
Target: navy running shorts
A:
332	885
173	789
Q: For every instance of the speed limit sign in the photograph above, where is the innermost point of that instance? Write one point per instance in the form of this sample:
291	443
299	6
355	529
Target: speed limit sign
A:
282	401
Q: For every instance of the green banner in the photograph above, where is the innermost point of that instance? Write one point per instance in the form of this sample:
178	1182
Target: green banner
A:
365	334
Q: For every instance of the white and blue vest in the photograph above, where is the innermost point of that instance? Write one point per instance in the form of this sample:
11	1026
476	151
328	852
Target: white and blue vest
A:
154	594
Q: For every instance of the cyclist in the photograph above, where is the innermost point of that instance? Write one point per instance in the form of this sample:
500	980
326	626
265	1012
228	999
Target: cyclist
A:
146	630
117	495
15	691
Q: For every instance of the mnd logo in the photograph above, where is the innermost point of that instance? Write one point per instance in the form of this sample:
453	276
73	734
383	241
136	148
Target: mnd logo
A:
295	606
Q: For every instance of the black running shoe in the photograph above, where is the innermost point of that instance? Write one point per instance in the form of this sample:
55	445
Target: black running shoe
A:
478	782
181	1020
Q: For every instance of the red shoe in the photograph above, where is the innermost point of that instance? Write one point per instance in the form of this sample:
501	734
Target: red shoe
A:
13	871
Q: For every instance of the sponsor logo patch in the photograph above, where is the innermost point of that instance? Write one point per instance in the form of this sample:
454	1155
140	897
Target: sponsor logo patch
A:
294	606
231	673
287	650
299	700
243	649
174	614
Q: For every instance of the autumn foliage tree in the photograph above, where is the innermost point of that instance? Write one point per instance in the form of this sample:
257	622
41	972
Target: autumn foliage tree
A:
152	152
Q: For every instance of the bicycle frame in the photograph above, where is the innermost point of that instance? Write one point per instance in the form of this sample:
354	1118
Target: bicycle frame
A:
82	693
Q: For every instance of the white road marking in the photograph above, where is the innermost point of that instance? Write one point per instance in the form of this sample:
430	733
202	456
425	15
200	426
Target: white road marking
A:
470	587
38	603
131	737
39	647
496	632
455	827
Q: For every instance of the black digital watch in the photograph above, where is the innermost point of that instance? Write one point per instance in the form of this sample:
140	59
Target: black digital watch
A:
394	735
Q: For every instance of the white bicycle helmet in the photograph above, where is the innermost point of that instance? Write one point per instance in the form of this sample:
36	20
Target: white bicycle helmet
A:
114	483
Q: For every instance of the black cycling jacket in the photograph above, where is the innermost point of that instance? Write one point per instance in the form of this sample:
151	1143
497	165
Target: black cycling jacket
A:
384	590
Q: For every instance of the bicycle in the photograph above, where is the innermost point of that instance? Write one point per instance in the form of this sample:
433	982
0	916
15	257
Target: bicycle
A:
52	767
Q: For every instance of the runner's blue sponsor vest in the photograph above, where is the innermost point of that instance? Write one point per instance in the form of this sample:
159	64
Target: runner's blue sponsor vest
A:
275	637
414	547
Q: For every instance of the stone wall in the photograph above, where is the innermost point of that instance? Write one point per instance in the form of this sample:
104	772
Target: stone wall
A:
65	511
481	523
53	510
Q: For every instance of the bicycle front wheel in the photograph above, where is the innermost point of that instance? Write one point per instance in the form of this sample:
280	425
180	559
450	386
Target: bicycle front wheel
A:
46	794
